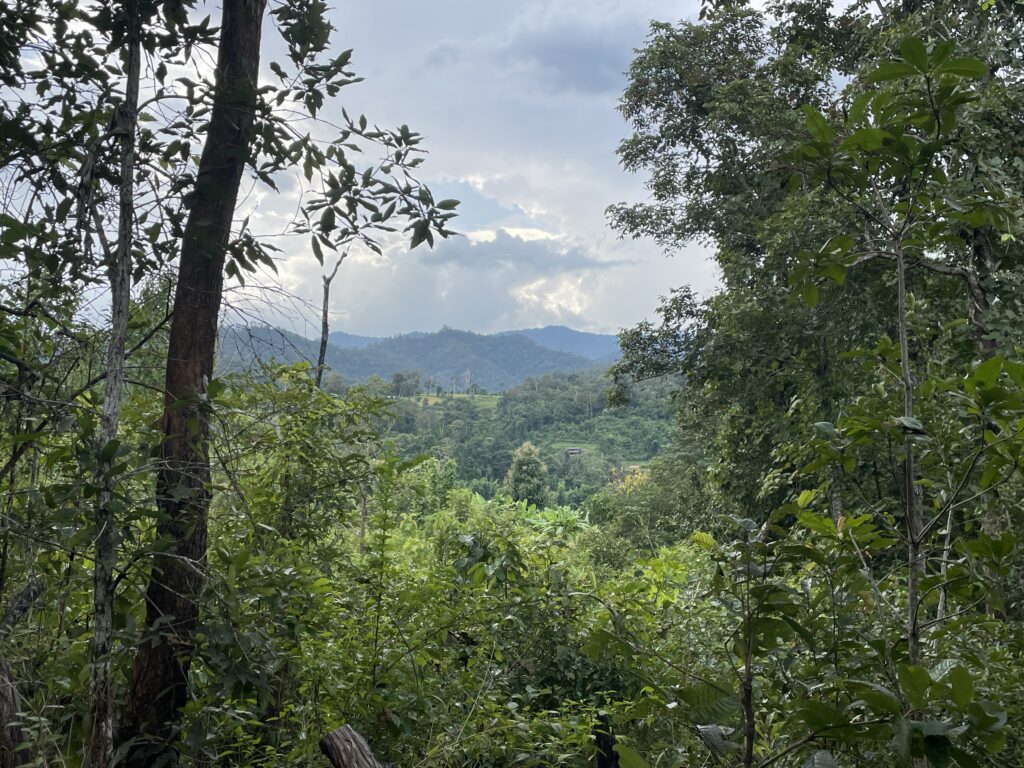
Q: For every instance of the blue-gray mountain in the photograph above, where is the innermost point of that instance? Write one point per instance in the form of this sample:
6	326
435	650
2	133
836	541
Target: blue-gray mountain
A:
448	359
593	346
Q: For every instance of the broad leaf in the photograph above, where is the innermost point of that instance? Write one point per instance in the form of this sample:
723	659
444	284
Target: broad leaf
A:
971	69
914	53
890	70
629	757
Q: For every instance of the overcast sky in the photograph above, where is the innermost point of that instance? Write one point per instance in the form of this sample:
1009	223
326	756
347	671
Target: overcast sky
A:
517	101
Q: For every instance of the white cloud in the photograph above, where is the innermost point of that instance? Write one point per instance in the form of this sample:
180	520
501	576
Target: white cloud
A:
518	105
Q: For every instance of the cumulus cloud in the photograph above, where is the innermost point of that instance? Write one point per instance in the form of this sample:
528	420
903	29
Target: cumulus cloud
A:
478	210
517	103
507	251
544	283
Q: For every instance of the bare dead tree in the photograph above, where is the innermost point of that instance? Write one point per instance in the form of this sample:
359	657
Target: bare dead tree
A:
325	327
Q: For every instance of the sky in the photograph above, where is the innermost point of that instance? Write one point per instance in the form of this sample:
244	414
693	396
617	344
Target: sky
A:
517	103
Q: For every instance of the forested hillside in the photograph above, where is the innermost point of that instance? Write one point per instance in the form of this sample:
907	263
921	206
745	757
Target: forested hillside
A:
446	361
781	531
593	346
582	441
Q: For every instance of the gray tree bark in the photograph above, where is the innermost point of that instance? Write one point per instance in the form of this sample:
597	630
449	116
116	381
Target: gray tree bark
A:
911	500
119	270
346	748
152	714
325	327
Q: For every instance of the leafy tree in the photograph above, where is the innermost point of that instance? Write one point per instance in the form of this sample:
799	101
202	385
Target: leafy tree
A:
406	384
882	361
168	206
527	478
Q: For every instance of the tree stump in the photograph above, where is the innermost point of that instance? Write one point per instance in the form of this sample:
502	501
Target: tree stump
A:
346	748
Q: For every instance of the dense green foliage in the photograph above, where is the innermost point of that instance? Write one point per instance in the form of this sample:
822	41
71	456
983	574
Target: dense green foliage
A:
527	478
559	413
851	382
817	567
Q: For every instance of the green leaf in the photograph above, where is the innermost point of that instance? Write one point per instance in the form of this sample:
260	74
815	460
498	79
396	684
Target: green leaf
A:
817	523
881	700
987	373
629	757
987	716
810	294
901	738
110	450
419	234
914	681
806	497
859	107
964	759
705	540
710	703
820	715
827	428
931	727
941	51
869	139
910	424
834	272
817	125
963	686
914	53
838	245
890	70
971	69
215	389
327	220
713	737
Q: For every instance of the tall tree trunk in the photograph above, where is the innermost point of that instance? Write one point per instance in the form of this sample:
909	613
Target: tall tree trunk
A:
362	521
911	506
983	264
911	498
119	268
747	682
325	326
159	685
947	552
836	504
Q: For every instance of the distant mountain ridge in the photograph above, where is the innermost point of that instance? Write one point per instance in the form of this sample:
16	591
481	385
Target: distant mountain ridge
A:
450	359
593	346
560	338
343	340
